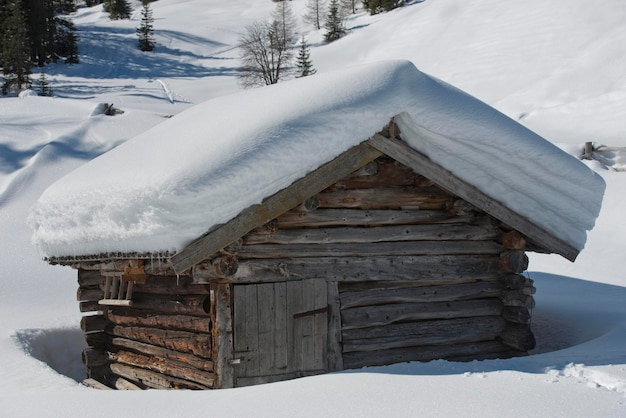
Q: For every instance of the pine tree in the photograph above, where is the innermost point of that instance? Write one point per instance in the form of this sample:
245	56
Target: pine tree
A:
380	6
303	61
117	9
41	30
44	88
65	41
334	22
145	31
15	56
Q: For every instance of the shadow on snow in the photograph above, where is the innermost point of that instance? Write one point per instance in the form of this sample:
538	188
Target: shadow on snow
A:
113	54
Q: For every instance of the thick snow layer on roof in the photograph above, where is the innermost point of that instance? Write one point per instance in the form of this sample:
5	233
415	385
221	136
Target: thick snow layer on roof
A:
169	185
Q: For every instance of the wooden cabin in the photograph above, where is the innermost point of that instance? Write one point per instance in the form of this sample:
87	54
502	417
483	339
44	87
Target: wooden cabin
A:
377	257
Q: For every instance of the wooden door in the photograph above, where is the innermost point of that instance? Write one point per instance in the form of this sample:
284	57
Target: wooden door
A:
280	330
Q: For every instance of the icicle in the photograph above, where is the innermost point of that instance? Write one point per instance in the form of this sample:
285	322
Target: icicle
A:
177	279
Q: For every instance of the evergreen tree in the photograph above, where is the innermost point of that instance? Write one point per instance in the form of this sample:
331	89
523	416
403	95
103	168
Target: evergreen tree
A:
117	9
49	36
41	30
44	88
380	6
334	22
15	56
65	41
303	61
64	7
145	31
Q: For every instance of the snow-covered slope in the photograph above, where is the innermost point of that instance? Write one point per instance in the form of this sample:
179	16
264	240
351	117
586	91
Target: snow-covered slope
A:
556	66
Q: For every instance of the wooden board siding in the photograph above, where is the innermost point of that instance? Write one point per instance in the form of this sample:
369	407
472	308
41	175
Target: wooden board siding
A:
280	330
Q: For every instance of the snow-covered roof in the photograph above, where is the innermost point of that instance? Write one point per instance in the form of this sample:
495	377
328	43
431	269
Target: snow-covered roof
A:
171	184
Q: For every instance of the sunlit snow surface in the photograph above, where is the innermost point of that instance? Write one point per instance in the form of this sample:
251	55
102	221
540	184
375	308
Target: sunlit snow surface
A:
557	67
169	185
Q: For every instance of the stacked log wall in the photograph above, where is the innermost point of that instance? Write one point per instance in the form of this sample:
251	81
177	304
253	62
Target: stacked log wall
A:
421	275
412	272
163	340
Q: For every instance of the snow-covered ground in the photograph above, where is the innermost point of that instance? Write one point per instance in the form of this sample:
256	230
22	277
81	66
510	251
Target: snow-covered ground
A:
557	67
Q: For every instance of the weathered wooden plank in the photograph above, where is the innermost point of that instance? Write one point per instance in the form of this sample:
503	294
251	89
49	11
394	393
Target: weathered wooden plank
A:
513	240
184	304
89	278
131	317
296	304
182	341
223	336
334	358
93	357
379	315
321	323
376	268
164	366
115	302
346	287
267	315
89	306
152	379
445	179
203	364
89	294
382	172
450	331
514	281
517	298
518	336
93	383
96	339
281	323
358	217
394	233
122	384
449	293
274	205
514	261
92	323
387	198
267	251
516	314
475	350
171	285
246	330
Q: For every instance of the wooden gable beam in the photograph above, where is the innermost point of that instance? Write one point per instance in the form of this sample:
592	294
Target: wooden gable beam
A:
406	155
275	205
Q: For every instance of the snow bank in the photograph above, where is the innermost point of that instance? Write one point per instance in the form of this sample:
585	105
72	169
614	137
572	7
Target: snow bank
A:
169	185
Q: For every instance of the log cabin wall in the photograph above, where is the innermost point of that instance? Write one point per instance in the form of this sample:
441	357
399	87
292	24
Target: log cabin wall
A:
164	340
381	267
418	273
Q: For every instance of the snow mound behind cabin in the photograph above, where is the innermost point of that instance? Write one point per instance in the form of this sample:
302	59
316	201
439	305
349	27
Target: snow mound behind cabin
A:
172	183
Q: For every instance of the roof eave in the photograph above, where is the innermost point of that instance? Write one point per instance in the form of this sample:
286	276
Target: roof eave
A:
421	164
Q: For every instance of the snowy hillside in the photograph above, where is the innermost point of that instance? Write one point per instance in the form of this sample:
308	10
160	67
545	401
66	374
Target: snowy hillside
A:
556	67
